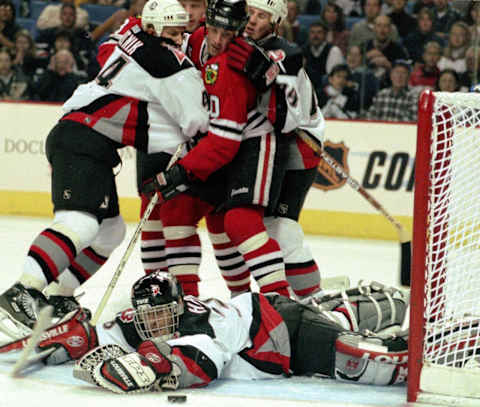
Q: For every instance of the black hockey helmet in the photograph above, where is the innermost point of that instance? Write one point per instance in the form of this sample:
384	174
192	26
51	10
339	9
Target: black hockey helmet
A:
228	14
158	302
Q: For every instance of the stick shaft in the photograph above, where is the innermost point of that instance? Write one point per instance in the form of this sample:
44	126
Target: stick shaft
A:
131	245
352	182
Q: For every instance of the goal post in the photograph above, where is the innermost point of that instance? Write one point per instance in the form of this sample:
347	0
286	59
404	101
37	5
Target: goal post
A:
444	340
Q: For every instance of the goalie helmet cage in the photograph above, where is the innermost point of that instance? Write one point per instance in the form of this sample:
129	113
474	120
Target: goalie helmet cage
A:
444	341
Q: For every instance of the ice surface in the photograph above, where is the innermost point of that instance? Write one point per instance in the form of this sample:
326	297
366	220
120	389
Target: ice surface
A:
55	386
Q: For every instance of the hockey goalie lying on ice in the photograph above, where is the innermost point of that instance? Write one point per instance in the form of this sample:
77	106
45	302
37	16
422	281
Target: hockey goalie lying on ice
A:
170	341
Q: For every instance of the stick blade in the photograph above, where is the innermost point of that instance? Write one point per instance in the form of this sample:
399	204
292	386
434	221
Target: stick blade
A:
43	323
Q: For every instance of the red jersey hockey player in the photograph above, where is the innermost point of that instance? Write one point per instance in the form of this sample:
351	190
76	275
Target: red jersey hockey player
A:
242	138
275	66
148	95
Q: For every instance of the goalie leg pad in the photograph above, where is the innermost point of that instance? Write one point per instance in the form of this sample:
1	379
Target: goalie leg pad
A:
370	360
131	373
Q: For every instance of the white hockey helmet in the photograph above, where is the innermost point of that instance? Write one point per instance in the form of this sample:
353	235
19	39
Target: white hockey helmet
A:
277	8
162	13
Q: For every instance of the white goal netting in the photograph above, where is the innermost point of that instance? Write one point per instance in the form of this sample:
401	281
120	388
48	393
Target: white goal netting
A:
452	272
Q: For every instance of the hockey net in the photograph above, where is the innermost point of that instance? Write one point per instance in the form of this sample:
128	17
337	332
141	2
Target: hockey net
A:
444	344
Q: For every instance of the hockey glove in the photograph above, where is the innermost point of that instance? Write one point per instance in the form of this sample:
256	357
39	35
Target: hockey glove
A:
136	372
257	66
72	337
167	184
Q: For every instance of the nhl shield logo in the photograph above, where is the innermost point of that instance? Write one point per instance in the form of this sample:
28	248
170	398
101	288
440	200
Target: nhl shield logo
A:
326	177
211	74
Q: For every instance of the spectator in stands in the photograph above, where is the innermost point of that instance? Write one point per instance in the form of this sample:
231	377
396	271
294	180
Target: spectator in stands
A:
448	81
313	6
337	33
58	82
382	51
444	17
290	28
14	84
351	8
363	30
26	57
339	97
366	81
402	20
114	22
8	26
396	103
426	75
81	44
50	17
471	76
419	4
415	41
319	56
454	53
472	19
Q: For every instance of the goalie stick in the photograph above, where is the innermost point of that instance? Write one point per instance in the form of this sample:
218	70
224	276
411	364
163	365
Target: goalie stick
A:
403	234
26	358
131	244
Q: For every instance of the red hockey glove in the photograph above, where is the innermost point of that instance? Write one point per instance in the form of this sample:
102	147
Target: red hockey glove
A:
167	184
72	337
257	66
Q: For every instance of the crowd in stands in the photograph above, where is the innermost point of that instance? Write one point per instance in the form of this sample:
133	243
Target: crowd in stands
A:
368	59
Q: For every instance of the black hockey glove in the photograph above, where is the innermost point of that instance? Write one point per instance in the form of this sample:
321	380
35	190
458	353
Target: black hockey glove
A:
167	184
257	66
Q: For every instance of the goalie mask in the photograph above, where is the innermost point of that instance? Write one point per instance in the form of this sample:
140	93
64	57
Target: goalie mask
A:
162	13
158	302
228	14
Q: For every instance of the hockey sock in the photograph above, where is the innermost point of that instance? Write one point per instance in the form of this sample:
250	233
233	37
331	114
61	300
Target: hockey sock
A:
230	262
152	241
180	217
54	249
301	269
245	228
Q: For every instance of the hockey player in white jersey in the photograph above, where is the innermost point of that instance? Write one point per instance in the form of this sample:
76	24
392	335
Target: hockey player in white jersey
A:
169	341
149	96
275	66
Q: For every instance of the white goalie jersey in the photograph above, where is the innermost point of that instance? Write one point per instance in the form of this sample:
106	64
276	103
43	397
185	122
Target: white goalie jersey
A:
147	95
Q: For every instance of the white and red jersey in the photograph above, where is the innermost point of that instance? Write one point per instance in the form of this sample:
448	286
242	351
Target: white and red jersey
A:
148	95
233	110
245	338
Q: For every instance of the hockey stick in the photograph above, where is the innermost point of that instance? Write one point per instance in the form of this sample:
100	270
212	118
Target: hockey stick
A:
403	234
26	359
131	245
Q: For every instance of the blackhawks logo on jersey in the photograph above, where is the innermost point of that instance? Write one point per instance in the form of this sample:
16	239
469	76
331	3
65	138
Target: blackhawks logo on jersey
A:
211	74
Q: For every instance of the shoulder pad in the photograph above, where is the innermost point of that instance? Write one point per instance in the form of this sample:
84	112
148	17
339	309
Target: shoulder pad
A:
158	59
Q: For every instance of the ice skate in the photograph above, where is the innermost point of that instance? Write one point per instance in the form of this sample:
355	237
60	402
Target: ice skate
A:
62	305
19	307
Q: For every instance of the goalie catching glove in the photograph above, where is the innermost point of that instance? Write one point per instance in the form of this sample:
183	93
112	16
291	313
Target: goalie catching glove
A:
150	368
167	184
256	64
